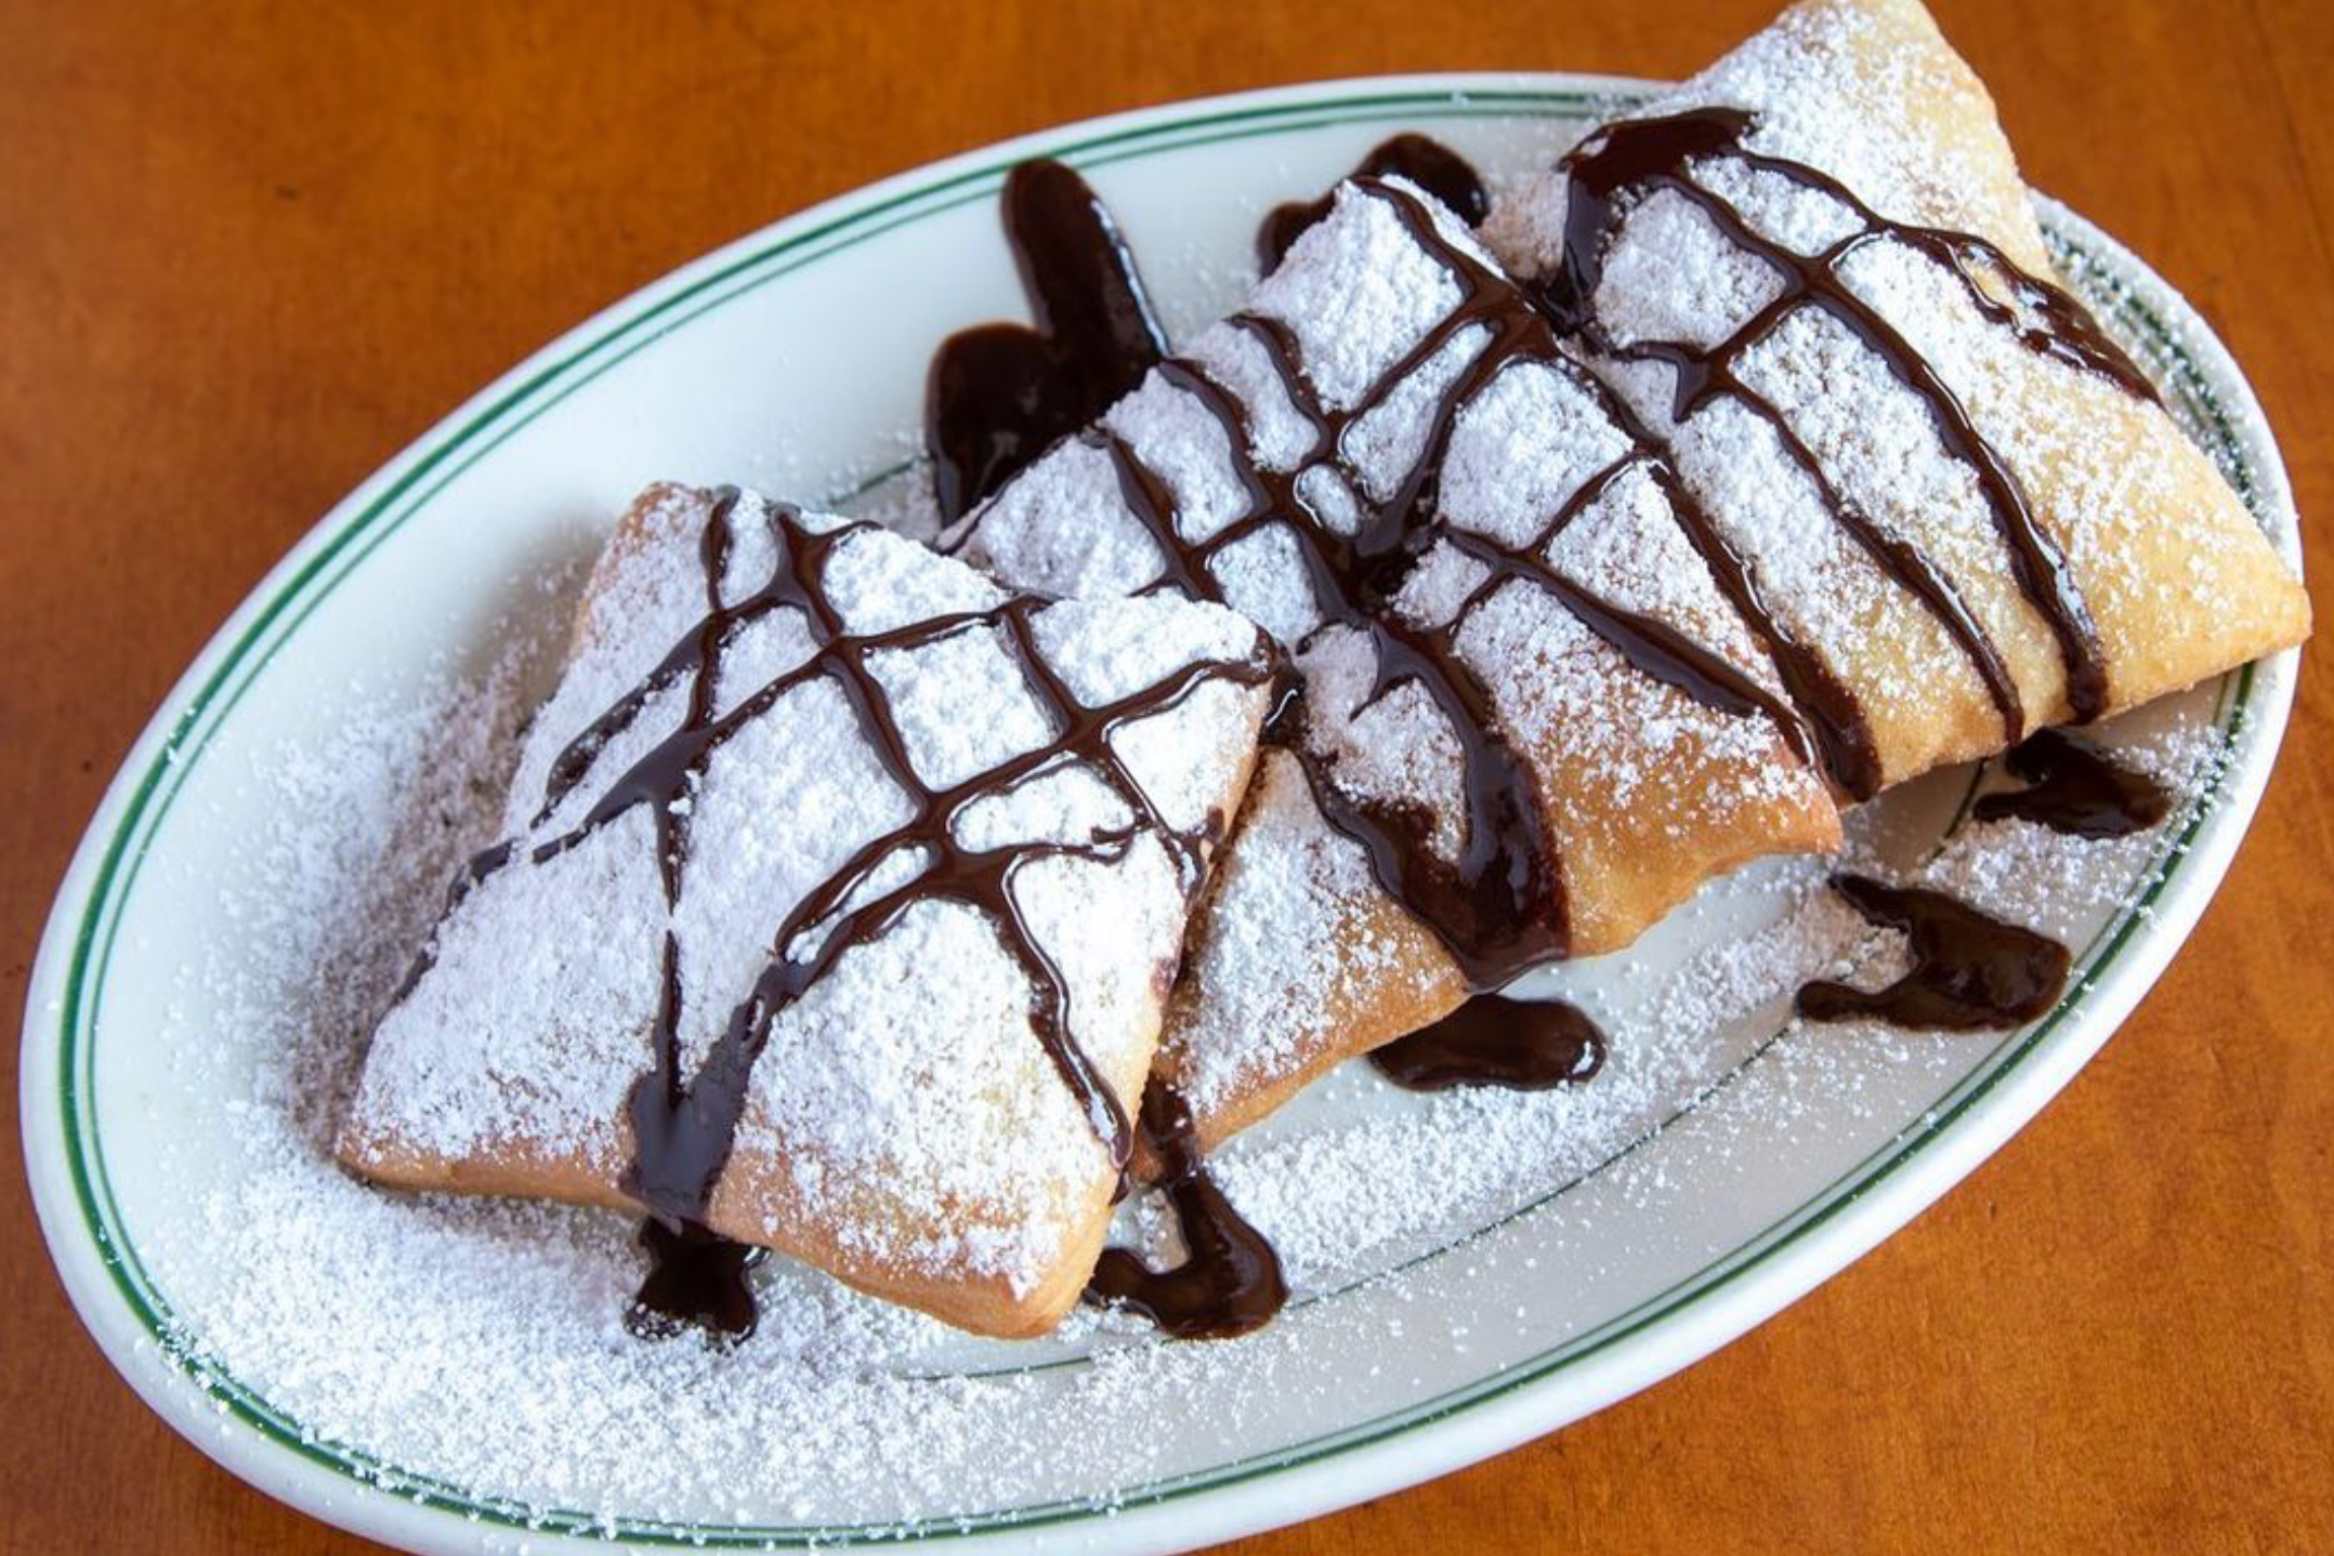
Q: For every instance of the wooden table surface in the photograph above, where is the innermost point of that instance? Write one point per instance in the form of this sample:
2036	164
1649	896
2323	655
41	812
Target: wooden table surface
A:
248	250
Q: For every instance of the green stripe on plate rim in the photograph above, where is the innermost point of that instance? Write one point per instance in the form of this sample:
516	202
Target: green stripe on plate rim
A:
299	595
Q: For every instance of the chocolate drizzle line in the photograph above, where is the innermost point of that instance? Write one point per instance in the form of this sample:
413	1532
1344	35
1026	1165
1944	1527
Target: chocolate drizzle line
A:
684	1124
1969	971
1230	1280
1001	394
1636	158
1499	910
1524	1045
2076	789
1421	159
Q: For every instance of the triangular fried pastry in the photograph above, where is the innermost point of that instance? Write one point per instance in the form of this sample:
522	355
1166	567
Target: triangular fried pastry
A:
840	900
1814	273
1532	718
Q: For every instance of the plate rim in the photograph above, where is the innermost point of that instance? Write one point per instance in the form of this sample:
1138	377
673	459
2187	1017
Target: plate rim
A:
1732	1293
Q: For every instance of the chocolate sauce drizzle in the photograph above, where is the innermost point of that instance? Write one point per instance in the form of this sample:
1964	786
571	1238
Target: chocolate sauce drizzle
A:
999	395
1634	159
695	1277
1498	910
1523	1045
684	1124
1969	971
1229	1282
1421	159
2076	789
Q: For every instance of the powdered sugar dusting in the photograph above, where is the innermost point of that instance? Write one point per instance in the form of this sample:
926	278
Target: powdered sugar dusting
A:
1531	458
480	1341
1279	950
1693	1007
868	1116
1910	402
1852	86
1520	451
1359	293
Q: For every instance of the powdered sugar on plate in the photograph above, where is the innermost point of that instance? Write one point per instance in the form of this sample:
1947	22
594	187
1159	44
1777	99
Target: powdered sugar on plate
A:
481	1342
477	1346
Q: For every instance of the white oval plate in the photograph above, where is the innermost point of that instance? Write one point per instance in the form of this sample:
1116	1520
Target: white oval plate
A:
794	360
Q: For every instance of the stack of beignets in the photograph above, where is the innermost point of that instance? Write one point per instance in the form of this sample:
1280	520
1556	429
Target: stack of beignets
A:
1770	470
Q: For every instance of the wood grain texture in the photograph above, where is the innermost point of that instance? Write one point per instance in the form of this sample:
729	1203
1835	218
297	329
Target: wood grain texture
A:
248	250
